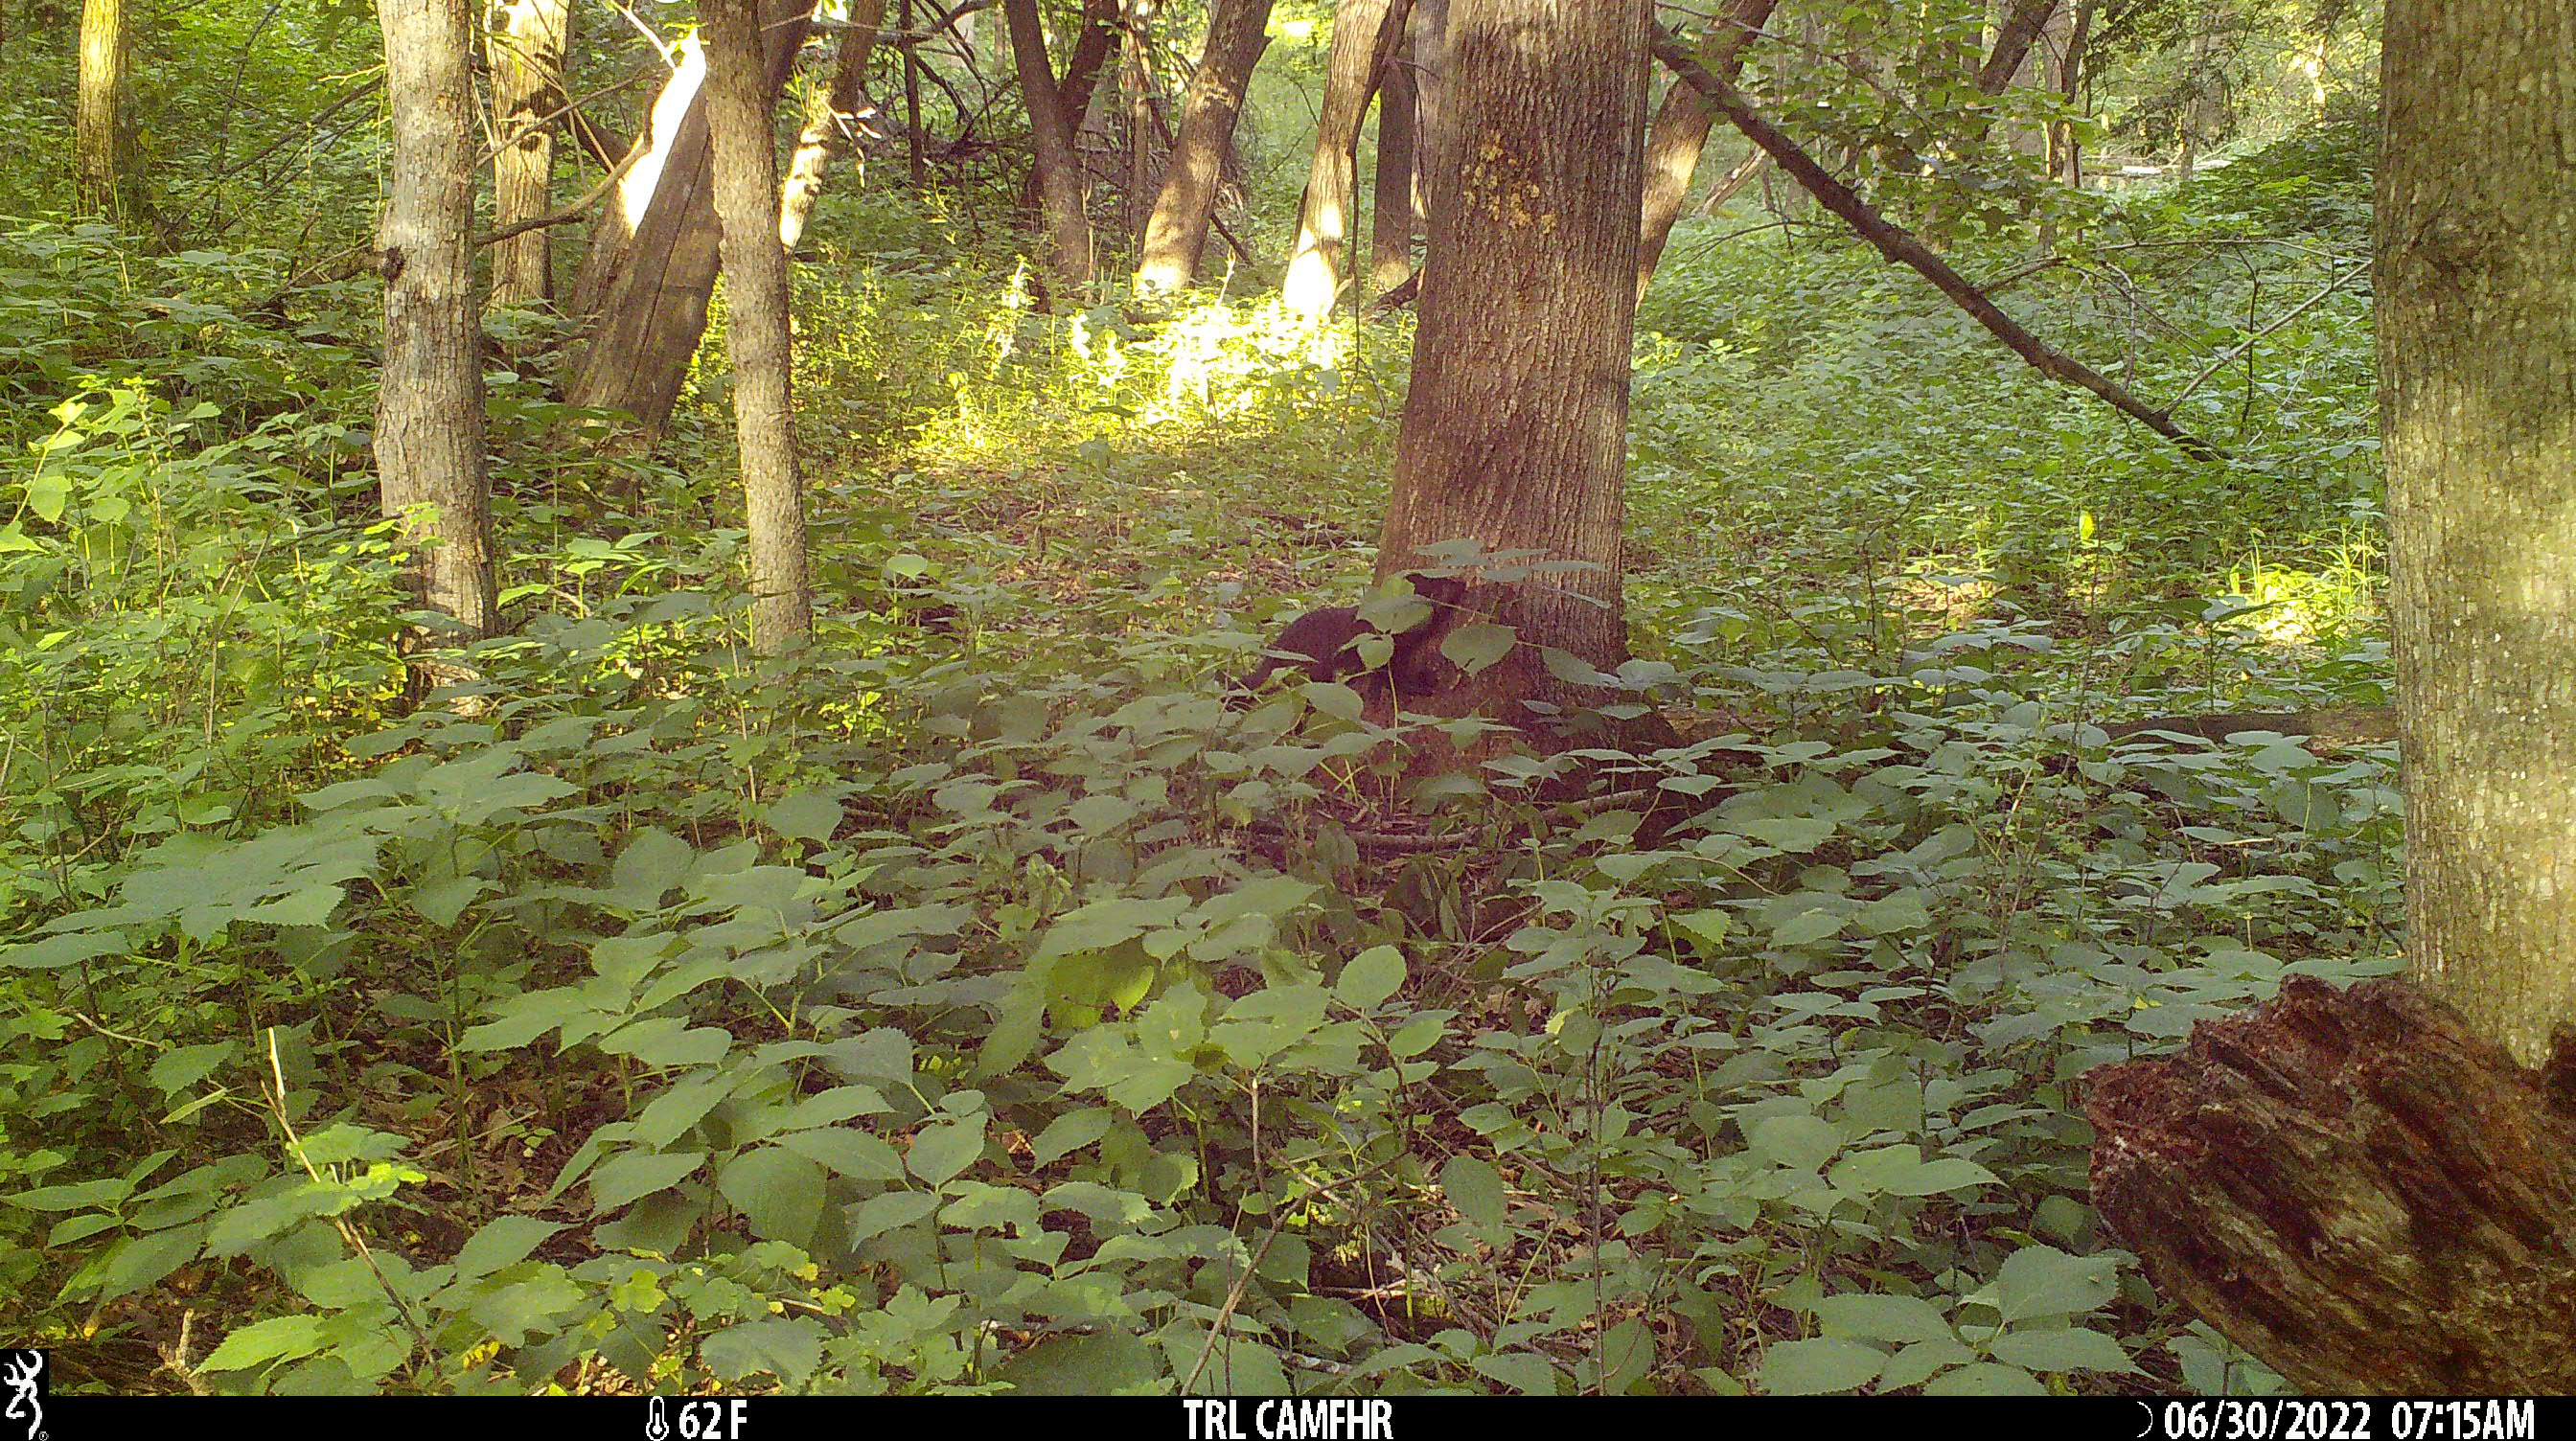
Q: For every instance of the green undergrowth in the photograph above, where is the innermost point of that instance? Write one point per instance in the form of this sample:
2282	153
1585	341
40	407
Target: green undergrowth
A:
977	1002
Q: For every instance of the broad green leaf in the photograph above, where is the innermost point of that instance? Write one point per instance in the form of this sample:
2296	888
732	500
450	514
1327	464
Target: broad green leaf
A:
778	1191
1475	1188
1820	1366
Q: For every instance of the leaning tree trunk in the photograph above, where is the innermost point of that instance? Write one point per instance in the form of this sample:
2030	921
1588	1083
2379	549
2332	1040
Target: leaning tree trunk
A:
2477	354
98	137
1055	167
1177	231
429	407
644	292
834	116
1515	431
527	60
1680	133
756	329
1324	215
2357	1188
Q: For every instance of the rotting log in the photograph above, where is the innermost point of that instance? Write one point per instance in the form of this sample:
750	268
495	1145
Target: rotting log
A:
2357	1189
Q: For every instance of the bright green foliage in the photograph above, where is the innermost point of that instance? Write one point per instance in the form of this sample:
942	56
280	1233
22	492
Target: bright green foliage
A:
978	1003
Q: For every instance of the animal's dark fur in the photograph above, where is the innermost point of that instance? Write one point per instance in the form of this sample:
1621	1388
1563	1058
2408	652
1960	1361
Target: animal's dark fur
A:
1322	645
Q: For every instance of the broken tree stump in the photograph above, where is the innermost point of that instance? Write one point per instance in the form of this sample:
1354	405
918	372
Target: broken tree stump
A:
2356	1189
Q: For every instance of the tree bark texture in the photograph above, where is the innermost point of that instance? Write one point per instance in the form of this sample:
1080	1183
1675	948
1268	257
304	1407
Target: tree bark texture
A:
647	296
1315	266
99	130
1055	167
1515	429
2356	1187
739	102
2066	75
1136	80
2477	364
526	55
2023	20
1680	133
835	115
429	409
1395	217
1176	233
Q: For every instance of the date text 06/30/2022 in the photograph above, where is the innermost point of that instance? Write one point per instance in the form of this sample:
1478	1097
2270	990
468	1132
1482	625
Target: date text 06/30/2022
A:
1334	1419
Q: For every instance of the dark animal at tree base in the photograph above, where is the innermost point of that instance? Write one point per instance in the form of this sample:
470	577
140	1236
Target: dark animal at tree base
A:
1324	646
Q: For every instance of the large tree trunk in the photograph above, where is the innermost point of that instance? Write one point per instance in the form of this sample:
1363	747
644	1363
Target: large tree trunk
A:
1176	232
834	115
102	172
756	331
2357	1188
1680	133
2477	356
1324	216
1055	167
644	289
527	59
1515	431
2372	1191
429	408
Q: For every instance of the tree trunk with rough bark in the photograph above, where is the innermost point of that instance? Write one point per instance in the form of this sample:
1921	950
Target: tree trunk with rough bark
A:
1315	266
1176	233
2375	1191
2066	76
2357	1188
429	408
756	325
1055	167
526	55
835	117
2477	363
1394	219
645	287
103	171
1515	429
1680	133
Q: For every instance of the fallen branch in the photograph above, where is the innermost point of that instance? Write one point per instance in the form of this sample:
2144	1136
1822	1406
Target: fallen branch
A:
1894	242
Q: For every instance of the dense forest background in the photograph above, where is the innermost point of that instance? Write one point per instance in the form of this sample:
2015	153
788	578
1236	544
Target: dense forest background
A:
973	994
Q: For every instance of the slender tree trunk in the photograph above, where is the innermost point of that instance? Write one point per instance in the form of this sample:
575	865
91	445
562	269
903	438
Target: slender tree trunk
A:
834	115
1515	431
1176	232
1680	133
1090	57
429	409
1137	80
1324	216
526	54
2023	21
1426	38
2066	75
756	330
652	290
99	131
1056	168
916	162
2477	356
1393	217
